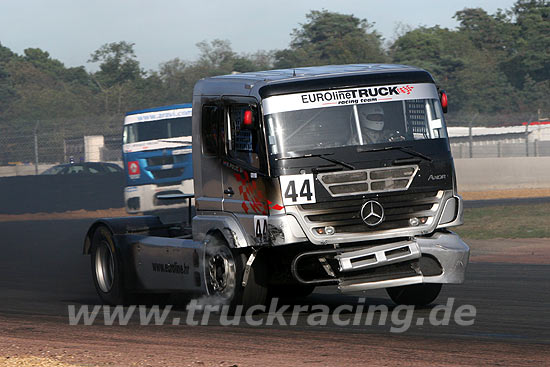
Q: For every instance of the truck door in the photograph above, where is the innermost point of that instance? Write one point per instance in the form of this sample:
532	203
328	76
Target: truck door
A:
208	187
244	163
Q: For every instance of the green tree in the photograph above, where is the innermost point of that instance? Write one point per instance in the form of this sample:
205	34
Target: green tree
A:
490	61
35	86
331	38
118	70
487	32
174	84
8	93
215	58
528	56
439	51
218	58
435	49
118	63
511	49
481	87
42	61
260	60
42	95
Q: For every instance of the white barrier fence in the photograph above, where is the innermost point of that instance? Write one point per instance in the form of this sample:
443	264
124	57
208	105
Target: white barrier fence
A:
480	174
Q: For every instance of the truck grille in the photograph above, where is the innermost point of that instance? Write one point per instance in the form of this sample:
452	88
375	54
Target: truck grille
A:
167	173
160	160
368	181
399	210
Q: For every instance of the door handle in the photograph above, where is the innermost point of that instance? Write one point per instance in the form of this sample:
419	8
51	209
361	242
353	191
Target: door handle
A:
229	191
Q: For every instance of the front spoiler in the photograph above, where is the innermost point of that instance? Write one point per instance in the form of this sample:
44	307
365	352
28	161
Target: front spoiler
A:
447	248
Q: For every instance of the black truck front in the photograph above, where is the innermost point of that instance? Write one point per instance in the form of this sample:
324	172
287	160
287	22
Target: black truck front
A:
366	177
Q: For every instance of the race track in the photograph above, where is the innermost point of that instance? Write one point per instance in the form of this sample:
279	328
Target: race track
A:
42	271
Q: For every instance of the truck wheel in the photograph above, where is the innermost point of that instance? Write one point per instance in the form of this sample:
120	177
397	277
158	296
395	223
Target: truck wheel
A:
416	294
106	269
224	268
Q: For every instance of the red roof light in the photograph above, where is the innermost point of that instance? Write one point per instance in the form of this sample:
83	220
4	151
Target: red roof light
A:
444	101
247	117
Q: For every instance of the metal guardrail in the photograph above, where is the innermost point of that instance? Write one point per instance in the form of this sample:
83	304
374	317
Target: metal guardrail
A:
43	149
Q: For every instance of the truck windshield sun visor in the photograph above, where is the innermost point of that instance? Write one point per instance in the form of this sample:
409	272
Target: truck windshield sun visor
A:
354	117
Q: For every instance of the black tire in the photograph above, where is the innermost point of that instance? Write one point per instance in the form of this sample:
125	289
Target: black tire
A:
416	294
106	269
224	270
290	290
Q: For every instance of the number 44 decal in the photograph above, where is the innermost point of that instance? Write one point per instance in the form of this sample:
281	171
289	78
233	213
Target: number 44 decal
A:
298	189
260	226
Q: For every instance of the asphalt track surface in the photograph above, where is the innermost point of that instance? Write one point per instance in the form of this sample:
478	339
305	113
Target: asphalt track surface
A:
42	271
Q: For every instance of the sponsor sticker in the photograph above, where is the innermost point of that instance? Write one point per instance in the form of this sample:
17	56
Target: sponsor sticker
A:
134	170
341	97
158	115
298	189
260	226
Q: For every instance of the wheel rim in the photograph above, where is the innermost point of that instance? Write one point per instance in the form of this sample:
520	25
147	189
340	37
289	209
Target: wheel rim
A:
221	272
104	267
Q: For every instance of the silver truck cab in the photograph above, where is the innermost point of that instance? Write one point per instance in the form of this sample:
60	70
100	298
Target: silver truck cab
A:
332	175
286	163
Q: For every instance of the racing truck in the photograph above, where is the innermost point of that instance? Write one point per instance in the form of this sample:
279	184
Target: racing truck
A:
318	176
157	158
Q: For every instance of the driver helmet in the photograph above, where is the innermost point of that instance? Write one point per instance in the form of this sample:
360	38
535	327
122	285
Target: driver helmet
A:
371	116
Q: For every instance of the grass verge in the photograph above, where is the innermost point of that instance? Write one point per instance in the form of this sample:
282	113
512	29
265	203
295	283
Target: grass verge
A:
518	221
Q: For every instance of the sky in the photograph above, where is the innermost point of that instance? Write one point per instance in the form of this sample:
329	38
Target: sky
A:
70	30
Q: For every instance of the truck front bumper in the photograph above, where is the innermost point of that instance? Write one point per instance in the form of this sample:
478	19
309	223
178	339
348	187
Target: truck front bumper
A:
144	198
439	258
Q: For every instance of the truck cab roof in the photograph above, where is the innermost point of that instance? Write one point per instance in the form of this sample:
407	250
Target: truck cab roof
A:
282	81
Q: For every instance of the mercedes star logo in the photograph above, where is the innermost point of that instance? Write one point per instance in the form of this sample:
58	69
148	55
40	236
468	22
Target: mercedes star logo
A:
372	213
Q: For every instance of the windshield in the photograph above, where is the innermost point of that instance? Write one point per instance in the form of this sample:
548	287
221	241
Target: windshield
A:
156	130
372	123
353	117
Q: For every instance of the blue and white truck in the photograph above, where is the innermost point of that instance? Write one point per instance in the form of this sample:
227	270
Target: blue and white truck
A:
157	158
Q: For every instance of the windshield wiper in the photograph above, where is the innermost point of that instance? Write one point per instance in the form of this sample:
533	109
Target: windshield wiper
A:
405	149
322	156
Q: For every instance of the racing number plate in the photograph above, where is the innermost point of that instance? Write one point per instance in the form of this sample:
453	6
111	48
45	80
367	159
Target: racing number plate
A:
298	189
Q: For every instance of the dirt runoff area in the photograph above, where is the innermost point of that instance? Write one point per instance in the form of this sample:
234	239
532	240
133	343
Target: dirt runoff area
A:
511	250
75	214
48	341
24	342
